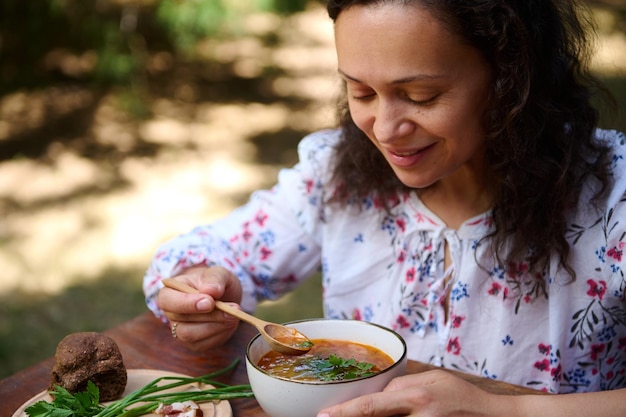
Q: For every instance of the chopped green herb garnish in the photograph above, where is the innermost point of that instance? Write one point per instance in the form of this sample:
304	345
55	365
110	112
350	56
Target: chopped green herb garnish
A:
303	345
335	368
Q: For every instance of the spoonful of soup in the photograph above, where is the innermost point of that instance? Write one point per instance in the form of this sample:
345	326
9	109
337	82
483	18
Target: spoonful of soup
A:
280	338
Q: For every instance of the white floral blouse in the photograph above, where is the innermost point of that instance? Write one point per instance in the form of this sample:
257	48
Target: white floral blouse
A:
388	269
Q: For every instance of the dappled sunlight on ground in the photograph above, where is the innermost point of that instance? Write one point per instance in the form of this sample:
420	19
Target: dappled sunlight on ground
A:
66	216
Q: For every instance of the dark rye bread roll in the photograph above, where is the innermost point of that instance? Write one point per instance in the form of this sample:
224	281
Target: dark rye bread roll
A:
89	356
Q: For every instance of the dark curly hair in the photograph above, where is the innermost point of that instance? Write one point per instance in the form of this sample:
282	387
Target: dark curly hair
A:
540	124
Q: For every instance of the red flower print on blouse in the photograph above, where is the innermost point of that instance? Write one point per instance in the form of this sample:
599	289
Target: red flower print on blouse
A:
402	322
475	222
265	253
378	203
401	224
489	221
543	365
544	349
454	346
410	275
517	269
616	252
596	350
308	185
496	289
260	218
420	218
457	321
290	278
596	289
247	235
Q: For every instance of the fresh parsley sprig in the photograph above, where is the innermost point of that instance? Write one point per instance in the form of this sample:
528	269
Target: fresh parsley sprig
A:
87	403
336	368
66	404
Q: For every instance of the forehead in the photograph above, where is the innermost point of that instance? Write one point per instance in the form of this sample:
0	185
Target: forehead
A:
393	39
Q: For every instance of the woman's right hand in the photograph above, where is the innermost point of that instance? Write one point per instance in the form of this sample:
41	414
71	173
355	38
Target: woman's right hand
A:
193	317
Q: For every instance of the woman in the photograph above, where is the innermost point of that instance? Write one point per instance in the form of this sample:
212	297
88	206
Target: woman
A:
467	201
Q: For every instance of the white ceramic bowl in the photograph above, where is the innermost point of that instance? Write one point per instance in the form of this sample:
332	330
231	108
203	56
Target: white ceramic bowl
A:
280	397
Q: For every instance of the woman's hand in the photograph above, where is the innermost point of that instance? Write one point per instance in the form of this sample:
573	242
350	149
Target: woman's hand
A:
194	318
435	393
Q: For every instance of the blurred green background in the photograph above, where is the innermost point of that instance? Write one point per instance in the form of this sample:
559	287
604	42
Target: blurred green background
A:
125	122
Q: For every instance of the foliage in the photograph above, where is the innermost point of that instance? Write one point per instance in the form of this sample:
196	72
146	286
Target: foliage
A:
188	21
108	42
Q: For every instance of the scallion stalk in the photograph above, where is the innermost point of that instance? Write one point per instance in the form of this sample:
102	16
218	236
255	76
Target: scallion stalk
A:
152	394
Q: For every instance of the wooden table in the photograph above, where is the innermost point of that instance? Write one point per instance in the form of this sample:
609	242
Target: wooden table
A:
146	343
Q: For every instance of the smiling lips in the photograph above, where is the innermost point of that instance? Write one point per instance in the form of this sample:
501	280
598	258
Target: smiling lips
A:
406	158
405	153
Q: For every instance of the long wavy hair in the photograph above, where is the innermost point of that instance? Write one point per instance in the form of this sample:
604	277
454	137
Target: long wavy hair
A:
540	124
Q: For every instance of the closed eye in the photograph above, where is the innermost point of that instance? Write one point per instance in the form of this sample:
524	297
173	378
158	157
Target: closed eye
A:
363	97
422	102
360	93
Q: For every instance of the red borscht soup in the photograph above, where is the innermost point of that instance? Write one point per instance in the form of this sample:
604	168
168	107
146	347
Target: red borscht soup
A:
328	360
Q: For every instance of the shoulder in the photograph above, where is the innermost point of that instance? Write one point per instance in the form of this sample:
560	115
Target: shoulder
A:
611	136
313	171
616	143
316	151
614	196
321	141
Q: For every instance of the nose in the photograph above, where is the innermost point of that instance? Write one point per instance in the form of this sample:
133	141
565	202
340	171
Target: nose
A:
391	122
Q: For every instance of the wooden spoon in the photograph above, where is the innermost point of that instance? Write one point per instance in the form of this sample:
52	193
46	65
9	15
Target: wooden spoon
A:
280	338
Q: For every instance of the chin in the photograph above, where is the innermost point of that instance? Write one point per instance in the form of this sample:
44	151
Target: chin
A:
412	181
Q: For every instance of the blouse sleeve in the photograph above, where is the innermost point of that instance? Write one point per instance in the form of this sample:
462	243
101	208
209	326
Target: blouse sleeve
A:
271	243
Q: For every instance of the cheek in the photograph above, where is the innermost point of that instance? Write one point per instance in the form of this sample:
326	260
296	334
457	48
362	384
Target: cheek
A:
461	121
361	117
472	130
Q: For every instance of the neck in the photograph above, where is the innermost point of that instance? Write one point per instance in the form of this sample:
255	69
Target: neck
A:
457	200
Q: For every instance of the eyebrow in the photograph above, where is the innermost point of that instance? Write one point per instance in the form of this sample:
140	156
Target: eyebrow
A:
405	80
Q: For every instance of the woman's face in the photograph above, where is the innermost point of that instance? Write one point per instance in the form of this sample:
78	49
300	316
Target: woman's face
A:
416	90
